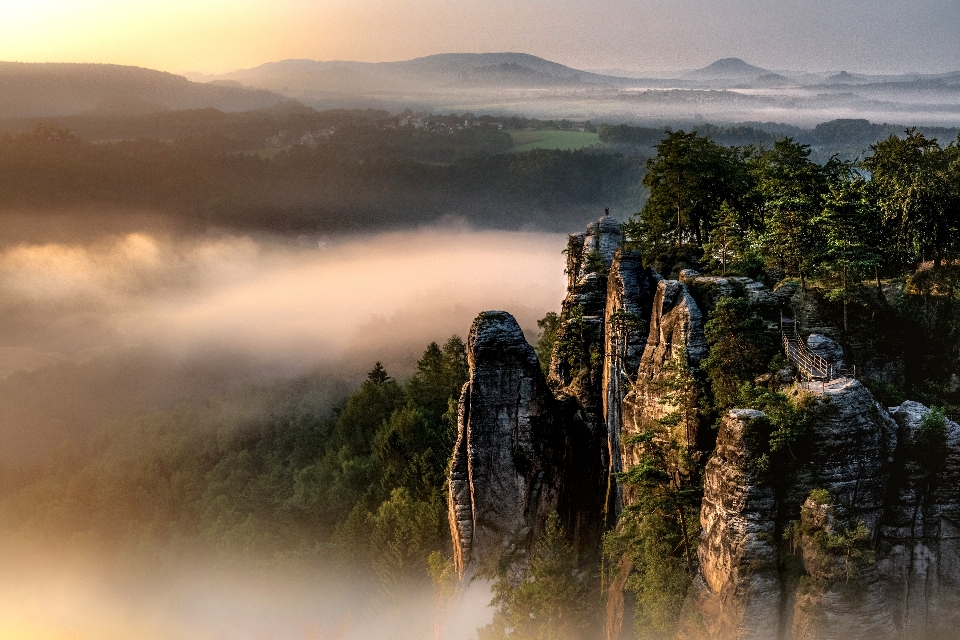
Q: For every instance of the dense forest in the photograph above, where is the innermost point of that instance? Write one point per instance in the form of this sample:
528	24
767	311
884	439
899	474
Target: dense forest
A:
878	239
294	169
272	477
359	178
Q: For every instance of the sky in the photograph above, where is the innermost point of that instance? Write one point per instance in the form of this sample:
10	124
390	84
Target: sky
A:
213	36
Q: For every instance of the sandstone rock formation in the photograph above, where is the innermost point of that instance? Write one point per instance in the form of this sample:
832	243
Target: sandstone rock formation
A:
502	479
826	349
521	454
919	552
772	561
738	592
852	532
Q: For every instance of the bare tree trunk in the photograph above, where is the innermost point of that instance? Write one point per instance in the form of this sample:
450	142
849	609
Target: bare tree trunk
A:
686	540
845	299
614	618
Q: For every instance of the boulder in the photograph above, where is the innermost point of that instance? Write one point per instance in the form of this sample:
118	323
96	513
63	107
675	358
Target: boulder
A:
825	348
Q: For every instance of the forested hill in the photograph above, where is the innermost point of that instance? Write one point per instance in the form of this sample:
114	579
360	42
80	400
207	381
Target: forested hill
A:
291	168
56	89
326	188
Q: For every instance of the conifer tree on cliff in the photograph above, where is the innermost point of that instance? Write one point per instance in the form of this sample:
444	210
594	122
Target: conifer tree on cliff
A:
789	191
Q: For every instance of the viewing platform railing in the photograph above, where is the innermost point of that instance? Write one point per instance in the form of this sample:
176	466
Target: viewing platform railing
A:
810	366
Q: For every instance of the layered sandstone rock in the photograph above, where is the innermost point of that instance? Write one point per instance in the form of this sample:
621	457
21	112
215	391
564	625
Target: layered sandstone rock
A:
854	532
631	289
738	592
773	563
673	349
503	474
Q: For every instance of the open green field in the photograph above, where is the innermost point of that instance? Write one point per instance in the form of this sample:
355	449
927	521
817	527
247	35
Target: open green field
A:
527	139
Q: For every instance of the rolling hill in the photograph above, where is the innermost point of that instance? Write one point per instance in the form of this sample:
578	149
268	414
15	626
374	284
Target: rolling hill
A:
441	72
56	89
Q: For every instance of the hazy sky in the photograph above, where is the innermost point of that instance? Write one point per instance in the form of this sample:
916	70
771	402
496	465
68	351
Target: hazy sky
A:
222	35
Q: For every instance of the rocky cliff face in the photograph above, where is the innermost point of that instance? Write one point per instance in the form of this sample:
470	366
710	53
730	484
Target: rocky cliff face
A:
919	550
522	453
855	533
738	591
765	568
503	478
776	563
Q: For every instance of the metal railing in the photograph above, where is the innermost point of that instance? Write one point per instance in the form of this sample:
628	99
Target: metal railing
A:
811	366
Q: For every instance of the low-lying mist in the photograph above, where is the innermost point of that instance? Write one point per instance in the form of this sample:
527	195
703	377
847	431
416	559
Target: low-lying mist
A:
147	319
84	602
98	330
293	305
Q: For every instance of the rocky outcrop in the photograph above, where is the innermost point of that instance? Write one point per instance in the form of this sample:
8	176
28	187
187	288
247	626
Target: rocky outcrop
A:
844	526
522	453
673	349
503	478
738	592
919	551
579	366
707	290
874	556
849	456
826	349
631	290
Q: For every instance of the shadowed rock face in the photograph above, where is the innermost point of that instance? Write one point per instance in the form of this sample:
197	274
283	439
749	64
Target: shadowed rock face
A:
502	480
758	580
851	454
919	561
631	289
676	330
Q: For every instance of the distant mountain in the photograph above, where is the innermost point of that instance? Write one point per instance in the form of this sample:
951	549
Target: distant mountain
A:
54	89
727	68
447	71
844	78
771	80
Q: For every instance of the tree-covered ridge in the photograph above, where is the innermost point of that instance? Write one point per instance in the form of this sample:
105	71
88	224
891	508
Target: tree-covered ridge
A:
877	240
368	179
266	477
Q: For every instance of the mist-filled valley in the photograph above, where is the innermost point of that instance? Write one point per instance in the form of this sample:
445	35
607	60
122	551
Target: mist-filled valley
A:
307	350
166	399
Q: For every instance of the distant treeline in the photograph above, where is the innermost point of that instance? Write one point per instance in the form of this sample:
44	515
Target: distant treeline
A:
847	137
347	183
283	124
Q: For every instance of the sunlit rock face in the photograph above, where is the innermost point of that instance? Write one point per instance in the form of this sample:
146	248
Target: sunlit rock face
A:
674	342
631	289
919	551
502	476
738	591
